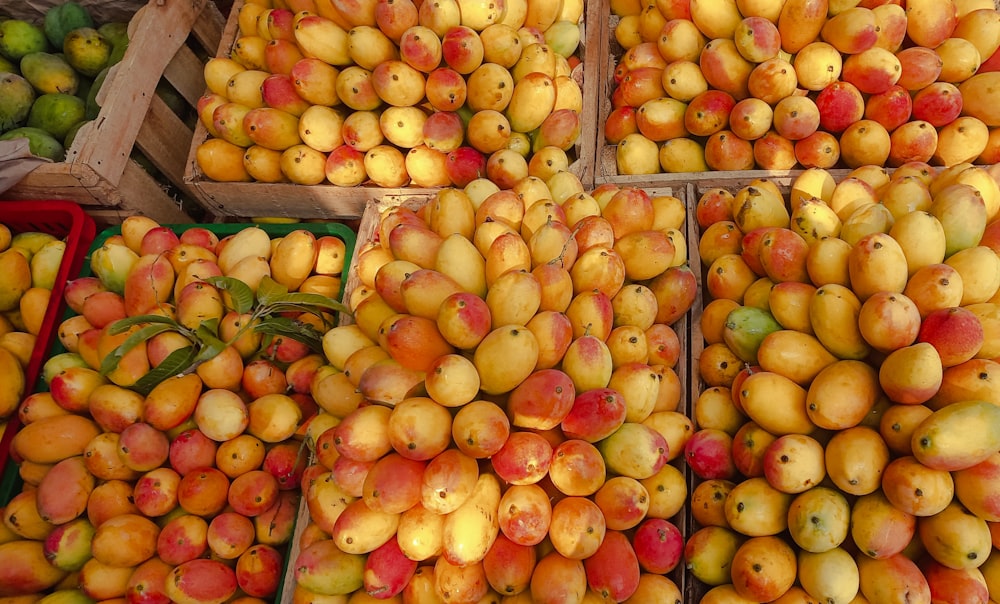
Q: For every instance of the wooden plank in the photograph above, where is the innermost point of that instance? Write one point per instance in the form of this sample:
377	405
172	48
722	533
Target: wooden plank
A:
186	73
147	197
207	29
164	139
159	29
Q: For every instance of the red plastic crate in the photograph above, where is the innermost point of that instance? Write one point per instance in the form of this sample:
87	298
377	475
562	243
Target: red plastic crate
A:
67	221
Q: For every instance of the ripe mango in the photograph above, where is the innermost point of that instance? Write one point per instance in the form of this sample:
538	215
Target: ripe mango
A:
64	491
24	569
833	313
53	439
958	436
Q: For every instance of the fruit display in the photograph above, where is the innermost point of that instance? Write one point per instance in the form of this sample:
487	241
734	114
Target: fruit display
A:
29	263
162	459
50	73
41	245
701	85
846	440
393	93
504	414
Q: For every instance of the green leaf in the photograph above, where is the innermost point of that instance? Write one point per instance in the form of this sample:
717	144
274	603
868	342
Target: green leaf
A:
239	292
270	291
122	325
296	330
176	363
110	362
317	300
211	345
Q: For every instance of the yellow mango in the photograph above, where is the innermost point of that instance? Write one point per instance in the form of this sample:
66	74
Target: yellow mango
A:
53	439
294	258
776	403
833	313
958	436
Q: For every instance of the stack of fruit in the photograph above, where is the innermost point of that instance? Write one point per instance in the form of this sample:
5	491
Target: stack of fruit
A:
50	74
503	412
775	85
163	461
394	93
848	437
29	263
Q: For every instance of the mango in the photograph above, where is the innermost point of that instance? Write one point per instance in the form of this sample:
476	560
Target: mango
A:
20	516
834	312
40	142
745	329
776	403
977	94
470	530
24	569
962	212
19	38
87	51
16	97
958	436
532	101
62	19
68	547
111	263
64	491
45	264
53	439
634	450
13	383
293	258
955	537
877	263
887	579
798	356
49	73
16	278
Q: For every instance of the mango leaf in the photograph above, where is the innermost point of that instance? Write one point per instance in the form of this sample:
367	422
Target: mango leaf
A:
317	300
110	362
270	291
176	363
122	325
211	345
239	292
290	328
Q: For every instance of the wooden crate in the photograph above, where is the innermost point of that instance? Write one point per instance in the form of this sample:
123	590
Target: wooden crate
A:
99	173
329	201
368	234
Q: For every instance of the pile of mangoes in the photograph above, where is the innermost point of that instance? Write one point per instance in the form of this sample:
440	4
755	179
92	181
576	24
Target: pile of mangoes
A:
50	73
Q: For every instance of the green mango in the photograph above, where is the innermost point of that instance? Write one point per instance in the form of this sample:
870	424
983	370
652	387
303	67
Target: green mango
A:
71	135
8	66
57	113
87	51
16	97
19	38
62	19
745	328
49	73
115	32
40	142
91	108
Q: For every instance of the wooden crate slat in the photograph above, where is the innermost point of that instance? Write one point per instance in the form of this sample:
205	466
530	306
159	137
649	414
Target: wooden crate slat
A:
145	196
186	73
158	31
163	139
